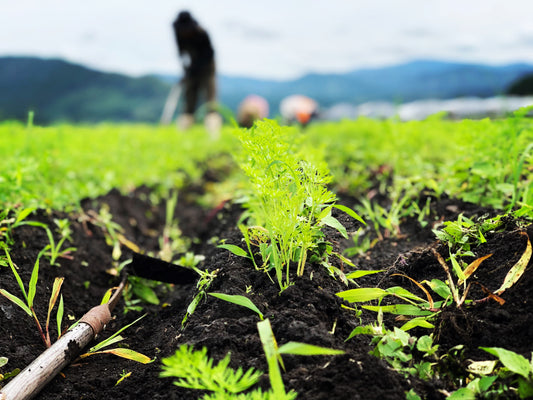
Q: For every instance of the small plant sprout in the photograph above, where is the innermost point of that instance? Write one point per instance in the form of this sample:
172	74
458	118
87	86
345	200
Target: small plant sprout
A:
195	370
118	351
273	355
112	230
6	375
206	279
53	250
123	376
26	303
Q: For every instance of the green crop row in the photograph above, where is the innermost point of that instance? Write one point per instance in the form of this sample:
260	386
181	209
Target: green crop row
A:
56	167
489	162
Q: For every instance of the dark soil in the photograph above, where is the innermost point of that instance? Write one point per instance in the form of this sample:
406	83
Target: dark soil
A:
309	311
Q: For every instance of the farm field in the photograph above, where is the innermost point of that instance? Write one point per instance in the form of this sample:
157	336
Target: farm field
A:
405	246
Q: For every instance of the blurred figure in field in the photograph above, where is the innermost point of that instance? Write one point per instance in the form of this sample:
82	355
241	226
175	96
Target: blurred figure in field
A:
298	109
252	108
199	82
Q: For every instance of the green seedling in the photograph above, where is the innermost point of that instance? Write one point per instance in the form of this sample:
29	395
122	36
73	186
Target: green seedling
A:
172	242
274	360
195	370
123	376
53	250
516	369
113	232
118	351
26	303
465	233
205	281
7	225
478	388
386	219
239	300
7	375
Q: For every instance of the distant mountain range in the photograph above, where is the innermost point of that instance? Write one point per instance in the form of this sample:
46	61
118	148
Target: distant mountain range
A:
60	91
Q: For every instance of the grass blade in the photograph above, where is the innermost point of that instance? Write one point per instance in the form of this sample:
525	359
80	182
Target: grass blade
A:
59	316
350	212
304	349
17	276
234	249
270	347
239	300
16	300
32	288
362	294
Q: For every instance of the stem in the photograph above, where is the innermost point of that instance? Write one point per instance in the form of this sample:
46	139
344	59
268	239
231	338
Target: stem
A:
45	338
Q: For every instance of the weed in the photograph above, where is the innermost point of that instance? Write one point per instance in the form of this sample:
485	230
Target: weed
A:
28	297
205	281
6	375
123	376
129	354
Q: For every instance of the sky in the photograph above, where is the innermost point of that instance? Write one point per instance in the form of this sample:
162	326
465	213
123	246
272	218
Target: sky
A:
274	39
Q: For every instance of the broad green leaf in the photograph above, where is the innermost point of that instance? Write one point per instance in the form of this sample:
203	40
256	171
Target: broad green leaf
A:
439	287
462	394
234	249
417	323
362	294
239	300
425	344
350	212
400	291
16	300
146	293
399	309
457	268
24	213
334	223
303	349
373	330
360	273
525	389
517	270
3	361
511	360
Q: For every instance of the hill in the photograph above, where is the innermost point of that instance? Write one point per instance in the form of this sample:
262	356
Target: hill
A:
62	91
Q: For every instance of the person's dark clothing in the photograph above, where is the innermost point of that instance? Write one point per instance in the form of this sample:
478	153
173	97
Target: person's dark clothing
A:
198	57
